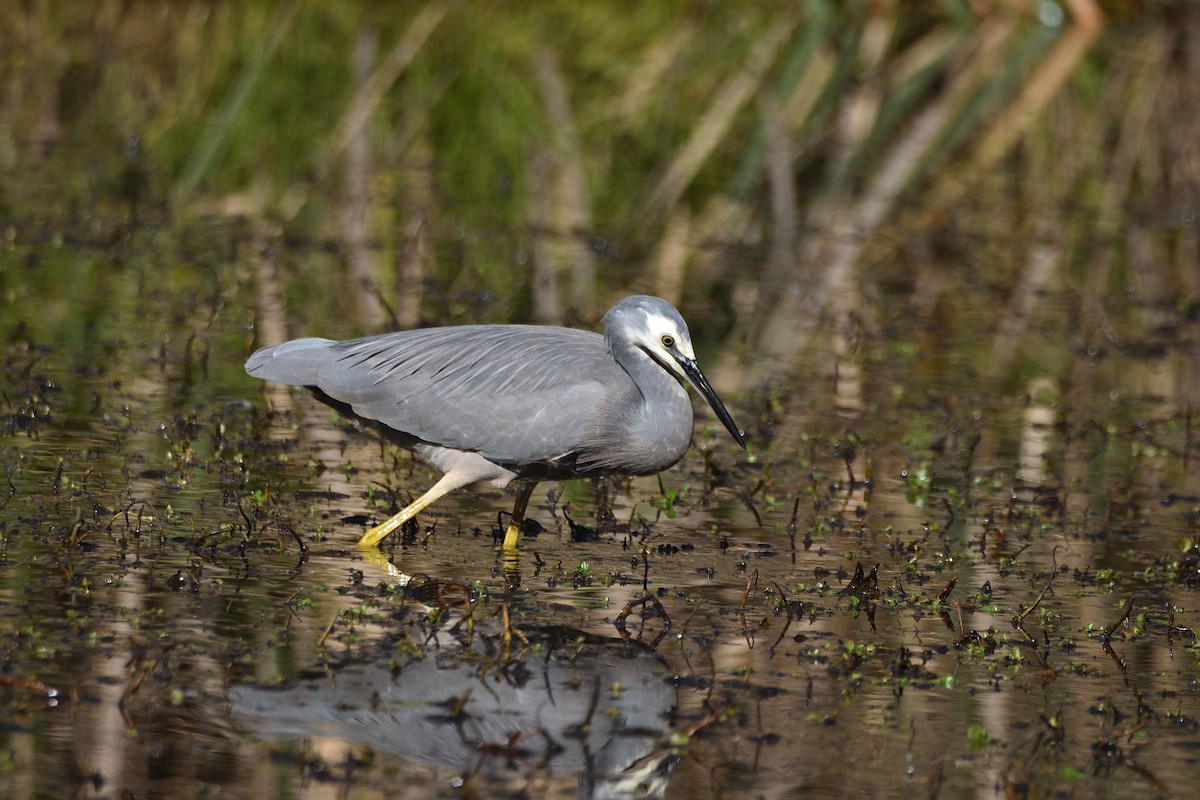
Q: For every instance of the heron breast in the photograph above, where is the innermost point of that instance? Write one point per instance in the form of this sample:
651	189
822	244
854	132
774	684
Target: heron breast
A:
637	440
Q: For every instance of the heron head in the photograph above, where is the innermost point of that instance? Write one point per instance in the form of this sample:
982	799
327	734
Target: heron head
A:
653	326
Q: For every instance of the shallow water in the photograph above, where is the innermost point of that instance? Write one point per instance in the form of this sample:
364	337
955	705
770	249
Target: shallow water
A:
164	545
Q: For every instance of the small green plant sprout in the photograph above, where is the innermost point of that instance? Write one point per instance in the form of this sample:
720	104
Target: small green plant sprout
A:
665	501
978	738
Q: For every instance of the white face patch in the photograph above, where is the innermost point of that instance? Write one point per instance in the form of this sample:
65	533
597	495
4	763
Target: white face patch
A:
649	331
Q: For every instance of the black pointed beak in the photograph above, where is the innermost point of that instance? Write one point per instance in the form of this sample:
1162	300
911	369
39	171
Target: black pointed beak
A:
701	383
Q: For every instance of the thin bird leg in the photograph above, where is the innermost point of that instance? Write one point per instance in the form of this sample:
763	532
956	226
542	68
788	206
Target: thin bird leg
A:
524	490
449	482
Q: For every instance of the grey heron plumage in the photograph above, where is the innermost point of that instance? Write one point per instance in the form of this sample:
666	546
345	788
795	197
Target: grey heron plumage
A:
502	403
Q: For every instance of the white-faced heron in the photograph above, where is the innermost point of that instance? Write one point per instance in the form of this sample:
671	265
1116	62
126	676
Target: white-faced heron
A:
502	403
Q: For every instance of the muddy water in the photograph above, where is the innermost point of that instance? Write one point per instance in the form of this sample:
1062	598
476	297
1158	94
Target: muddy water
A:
185	613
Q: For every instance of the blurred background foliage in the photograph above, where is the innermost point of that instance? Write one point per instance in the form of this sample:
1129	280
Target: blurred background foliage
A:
762	164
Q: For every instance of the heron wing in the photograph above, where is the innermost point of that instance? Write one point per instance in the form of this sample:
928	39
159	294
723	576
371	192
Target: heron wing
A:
517	395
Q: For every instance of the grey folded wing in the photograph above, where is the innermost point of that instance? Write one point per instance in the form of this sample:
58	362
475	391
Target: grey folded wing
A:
515	394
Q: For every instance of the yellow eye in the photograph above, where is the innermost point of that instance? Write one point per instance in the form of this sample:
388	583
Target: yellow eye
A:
668	341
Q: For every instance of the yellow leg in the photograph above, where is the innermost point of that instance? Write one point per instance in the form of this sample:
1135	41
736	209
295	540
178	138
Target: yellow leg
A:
449	482
524	490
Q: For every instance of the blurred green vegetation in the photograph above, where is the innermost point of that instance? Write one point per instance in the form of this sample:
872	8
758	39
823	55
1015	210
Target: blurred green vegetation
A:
762	137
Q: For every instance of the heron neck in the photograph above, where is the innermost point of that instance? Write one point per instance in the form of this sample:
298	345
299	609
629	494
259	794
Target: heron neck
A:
662	422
